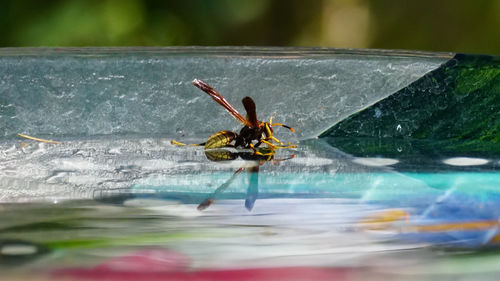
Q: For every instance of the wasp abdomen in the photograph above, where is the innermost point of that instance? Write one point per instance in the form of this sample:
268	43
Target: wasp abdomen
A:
220	139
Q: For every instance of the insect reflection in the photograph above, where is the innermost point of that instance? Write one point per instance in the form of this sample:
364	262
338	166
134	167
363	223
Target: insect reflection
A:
254	160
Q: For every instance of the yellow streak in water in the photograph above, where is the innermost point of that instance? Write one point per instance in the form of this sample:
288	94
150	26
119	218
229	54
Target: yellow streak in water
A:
37	139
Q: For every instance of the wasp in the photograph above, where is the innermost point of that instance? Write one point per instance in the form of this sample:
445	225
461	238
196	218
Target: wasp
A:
254	132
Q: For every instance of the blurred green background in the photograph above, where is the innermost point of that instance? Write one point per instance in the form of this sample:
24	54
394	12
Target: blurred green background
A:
445	25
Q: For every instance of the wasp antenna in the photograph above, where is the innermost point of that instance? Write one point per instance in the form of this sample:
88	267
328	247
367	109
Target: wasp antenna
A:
271	118
289	128
285	126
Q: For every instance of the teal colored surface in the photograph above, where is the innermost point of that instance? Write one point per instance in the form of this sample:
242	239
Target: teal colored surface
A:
393	188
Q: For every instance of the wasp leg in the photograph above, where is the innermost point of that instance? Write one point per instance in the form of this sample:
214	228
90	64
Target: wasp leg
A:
207	202
273	146
257	144
270	153
269	131
276	140
253	147
174	142
288	145
258	152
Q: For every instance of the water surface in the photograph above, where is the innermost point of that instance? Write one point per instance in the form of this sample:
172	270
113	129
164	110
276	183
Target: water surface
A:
104	207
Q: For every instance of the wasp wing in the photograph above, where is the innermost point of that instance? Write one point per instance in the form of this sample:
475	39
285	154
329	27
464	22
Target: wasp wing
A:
251	113
220	100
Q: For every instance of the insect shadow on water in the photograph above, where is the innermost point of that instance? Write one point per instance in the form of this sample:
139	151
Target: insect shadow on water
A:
253	134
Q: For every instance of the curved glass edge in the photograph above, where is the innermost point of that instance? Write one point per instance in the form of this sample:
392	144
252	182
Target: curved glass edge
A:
245	51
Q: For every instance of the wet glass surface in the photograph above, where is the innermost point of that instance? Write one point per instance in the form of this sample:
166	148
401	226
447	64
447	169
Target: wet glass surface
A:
106	206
